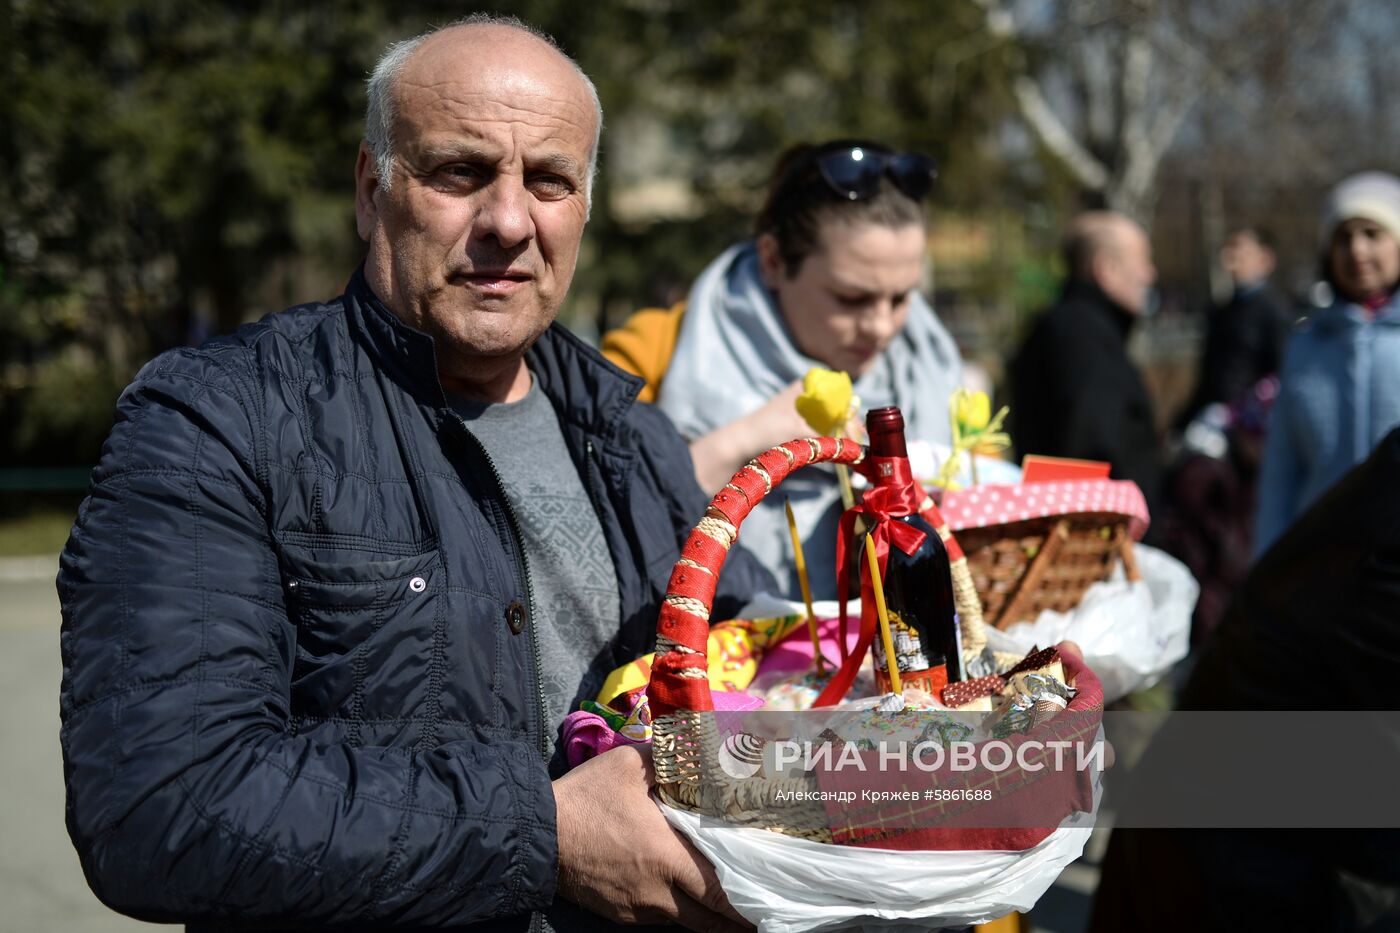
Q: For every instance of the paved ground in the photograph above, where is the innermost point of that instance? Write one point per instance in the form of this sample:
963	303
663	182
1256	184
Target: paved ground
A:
41	885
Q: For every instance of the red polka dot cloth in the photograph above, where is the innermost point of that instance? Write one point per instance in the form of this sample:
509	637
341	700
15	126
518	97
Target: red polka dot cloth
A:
980	506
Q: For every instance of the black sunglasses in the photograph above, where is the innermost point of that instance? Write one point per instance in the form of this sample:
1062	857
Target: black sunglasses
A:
853	171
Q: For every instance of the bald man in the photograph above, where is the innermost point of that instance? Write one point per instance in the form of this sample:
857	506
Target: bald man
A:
1074	392
341	575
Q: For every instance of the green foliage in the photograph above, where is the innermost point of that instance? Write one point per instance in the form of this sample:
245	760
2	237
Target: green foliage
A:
172	169
735	84
160	158
67	410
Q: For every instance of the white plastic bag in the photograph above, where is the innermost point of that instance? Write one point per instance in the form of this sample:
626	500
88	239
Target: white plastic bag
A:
789	885
1131	633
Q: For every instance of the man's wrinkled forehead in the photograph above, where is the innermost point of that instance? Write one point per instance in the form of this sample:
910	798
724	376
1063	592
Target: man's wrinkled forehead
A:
490	75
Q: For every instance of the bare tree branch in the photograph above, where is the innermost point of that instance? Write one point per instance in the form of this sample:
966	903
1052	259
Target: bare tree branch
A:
1044	122
1133	71
1139	165
1089	171
1210	74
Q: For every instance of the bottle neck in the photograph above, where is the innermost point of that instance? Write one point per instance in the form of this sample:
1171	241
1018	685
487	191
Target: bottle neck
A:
886	427
886	430
890	470
889	457
888	444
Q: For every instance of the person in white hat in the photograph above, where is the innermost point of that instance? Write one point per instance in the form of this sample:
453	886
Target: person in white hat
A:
1340	390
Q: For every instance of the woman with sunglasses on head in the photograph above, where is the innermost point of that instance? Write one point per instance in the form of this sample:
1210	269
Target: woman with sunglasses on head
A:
830	280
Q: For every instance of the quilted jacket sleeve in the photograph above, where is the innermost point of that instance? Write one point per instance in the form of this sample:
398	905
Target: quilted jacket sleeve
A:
188	796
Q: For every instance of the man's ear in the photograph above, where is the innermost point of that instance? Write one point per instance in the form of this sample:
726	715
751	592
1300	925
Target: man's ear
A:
770	260
366	187
1103	270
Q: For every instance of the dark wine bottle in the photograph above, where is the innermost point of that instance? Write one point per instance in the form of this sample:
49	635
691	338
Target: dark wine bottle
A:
918	586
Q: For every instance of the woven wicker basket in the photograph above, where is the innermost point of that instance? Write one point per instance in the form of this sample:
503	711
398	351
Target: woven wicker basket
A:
685	740
1022	568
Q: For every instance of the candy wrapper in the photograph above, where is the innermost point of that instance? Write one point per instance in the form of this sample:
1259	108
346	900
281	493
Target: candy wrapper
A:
1033	697
614	720
637	726
596	727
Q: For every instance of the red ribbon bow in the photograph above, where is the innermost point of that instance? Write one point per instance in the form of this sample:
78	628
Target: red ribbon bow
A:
881	505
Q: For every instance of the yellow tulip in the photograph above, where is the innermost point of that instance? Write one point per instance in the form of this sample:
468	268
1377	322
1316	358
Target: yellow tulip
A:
975	429
974	411
825	402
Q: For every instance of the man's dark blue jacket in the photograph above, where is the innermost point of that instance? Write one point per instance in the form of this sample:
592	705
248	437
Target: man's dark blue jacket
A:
298	682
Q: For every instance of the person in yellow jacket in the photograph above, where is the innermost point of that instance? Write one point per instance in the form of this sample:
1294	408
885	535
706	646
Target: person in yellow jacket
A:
643	345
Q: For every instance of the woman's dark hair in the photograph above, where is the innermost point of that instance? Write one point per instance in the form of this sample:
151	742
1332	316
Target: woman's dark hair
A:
799	201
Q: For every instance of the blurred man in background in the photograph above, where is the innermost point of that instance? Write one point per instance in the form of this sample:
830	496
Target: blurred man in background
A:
1074	392
1246	335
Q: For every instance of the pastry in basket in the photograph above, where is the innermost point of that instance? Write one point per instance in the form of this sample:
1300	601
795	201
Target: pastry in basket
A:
794	691
797	690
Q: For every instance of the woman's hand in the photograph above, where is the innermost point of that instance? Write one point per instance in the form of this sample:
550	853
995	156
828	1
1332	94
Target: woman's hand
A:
719	454
1072	649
